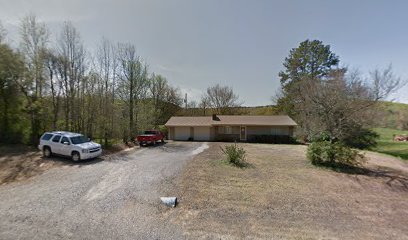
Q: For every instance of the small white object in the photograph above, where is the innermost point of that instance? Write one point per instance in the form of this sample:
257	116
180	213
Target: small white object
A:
169	201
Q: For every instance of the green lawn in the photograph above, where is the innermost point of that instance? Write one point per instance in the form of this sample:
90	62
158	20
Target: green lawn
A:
388	146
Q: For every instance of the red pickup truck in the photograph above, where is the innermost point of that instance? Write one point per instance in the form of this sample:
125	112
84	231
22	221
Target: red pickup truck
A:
150	136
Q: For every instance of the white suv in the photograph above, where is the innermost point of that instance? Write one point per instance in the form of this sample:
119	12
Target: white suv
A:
74	145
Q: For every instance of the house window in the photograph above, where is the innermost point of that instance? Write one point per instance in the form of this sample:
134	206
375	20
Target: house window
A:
274	131
279	131
224	130
220	130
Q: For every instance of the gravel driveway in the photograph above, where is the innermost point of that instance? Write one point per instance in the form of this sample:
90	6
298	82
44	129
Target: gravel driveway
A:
117	198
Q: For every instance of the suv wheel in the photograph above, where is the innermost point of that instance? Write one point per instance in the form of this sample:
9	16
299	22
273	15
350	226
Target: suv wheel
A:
47	152
75	156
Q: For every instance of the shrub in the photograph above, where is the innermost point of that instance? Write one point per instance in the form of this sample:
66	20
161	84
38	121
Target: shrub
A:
362	138
277	139
333	154
164	130
235	155
227	138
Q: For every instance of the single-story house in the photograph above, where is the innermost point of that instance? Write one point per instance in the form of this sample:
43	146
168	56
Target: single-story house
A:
231	128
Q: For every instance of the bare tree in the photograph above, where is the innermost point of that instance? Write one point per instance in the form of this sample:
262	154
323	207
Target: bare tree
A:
133	83
166	100
106	61
385	83
55	84
34	38
192	108
72	67
158	88
204	104
342	105
3	33
222	99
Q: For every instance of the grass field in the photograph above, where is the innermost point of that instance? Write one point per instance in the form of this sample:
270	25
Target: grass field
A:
388	146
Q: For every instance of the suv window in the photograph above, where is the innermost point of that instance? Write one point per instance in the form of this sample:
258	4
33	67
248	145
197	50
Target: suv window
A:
150	132
56	138
79	139
64	139
46	137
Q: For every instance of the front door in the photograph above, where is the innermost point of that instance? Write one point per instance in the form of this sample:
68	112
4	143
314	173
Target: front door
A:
55	144
243	135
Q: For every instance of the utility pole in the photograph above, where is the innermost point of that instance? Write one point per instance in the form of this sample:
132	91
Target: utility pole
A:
185	101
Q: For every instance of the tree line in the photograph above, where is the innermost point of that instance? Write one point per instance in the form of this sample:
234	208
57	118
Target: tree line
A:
105	94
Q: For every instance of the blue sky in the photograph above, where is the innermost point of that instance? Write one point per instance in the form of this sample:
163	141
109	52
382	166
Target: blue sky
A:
243	44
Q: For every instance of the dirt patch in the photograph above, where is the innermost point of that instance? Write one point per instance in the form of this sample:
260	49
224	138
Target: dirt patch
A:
282	196
20	162
118	148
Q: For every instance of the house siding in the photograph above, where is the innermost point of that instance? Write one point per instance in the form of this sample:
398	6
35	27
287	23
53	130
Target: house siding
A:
171	133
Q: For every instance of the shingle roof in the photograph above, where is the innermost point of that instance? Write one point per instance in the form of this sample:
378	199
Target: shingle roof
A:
277	120
189	121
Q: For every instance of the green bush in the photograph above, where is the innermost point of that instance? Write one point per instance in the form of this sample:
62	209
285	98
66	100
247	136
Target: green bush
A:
164	130
276	139
362	138
333	154
235	155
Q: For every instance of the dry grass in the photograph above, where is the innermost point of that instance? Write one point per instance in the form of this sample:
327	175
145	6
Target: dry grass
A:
281	195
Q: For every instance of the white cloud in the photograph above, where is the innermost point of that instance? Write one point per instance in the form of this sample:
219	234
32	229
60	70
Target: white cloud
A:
167	69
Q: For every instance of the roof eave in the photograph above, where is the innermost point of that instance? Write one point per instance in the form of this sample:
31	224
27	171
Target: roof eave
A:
186	125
